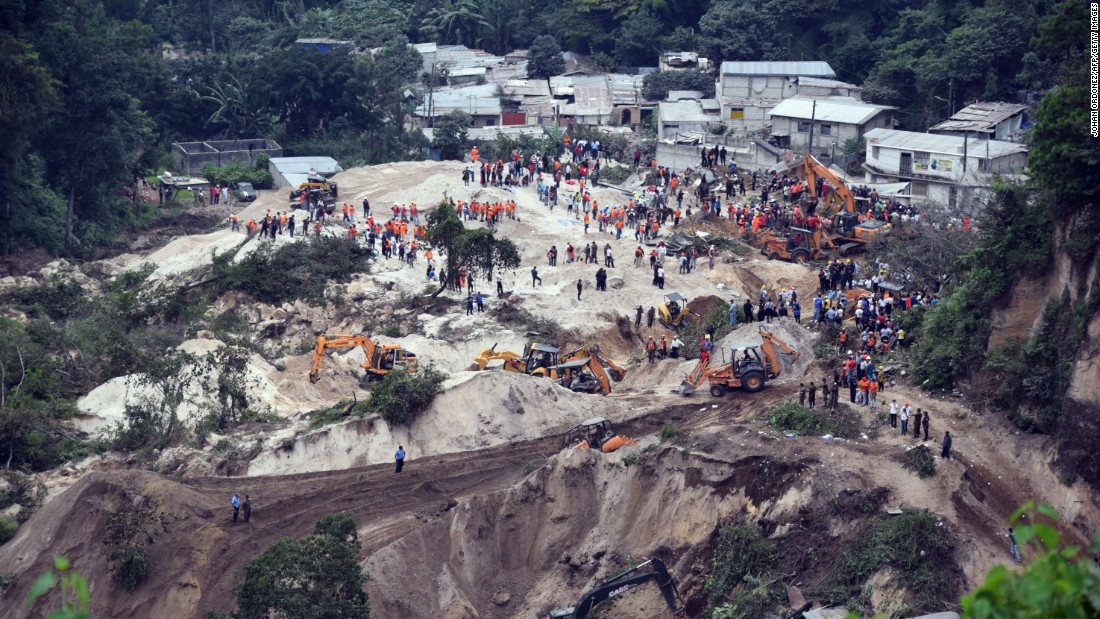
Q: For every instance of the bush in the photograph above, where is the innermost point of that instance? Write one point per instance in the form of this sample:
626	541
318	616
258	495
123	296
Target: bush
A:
128	531
670	432
400	396
790	417
741	553
292	271
8	527
260	177
343	410
921	461
655	86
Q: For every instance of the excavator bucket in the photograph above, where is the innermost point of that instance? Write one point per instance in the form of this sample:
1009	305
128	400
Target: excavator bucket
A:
686	388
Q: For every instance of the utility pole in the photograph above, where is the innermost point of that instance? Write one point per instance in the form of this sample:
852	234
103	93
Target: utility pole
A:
951	98
966	138
431	92
813	116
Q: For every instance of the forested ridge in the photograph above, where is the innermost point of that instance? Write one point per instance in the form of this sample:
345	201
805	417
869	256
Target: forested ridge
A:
95	91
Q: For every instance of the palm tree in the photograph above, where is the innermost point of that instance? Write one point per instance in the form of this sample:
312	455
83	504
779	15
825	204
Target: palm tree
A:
455	21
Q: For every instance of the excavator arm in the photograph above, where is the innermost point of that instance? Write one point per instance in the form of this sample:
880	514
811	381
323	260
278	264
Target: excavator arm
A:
813	170
340	341
652	570
768	346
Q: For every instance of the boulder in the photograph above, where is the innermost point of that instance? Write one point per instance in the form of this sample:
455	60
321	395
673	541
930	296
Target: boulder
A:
615	283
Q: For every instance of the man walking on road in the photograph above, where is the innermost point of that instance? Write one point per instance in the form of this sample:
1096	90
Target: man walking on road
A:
946	453
399	458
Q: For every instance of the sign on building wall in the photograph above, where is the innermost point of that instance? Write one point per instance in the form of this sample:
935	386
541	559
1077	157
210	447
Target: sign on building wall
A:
943	165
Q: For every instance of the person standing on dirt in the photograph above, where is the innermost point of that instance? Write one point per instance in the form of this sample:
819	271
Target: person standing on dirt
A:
836	392
927	420
535	276
236	503
893	413
748	310
801	394
1013	548
580	286
651	349
480	300
946	453
825	393
500	285
916	424
813	394
733	313
905	420
247	505
399	458
650	316
469	305
638	316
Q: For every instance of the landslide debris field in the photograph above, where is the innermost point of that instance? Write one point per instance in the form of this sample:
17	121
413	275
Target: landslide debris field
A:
491	517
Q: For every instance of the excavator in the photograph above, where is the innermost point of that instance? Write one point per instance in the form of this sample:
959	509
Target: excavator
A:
749	371
582	370
849	235
596	433
653	570
673	311
379	359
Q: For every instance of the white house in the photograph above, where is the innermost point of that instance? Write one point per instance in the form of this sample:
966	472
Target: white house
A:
685	112
989	120
480	102
942	169
747	90
834	121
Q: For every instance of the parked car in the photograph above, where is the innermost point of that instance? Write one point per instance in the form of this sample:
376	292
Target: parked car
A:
245	192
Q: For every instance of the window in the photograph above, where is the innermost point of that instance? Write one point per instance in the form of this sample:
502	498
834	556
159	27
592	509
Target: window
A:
491	122
921	161
919	188
874	152
803	127
985	165
737	113
826	129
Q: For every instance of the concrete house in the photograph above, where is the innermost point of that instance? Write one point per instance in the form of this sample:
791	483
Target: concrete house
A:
942	169
988	120
685	112
747	90
834	121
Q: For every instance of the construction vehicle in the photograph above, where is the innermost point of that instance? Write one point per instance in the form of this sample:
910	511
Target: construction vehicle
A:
748	369
652	570
673	311
582	370
849	234
800	245
596	433
379	359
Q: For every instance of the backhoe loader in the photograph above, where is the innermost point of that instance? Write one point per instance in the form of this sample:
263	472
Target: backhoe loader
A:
652	570
379	359
583	370
673	311
596	433
800	245
747	370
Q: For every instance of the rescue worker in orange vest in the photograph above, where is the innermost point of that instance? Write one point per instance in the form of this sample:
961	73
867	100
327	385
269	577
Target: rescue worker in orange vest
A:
651	349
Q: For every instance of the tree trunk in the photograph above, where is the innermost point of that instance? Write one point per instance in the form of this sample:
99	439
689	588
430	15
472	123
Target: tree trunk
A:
69	216
210	18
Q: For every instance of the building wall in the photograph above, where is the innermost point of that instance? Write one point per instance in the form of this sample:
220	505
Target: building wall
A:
189	157
752	117
679	157
755	86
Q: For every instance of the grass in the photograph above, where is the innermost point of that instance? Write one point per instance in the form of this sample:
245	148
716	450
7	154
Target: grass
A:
341	411
921	461
790	417
669	432
742	554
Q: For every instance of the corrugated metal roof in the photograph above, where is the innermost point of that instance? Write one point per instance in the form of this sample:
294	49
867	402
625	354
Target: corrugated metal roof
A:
425	48
810	68
592	95
806	80
980	116
626	89
301	165
467	71
824	110
684	111
945	144
480	100
527	88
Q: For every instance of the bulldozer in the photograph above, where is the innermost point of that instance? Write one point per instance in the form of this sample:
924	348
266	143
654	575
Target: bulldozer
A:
582	370
652	570
596	433
673	311
748	370
379	359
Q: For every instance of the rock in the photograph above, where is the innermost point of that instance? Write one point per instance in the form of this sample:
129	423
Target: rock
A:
502	598
12	511
205	335
280	365
279	314
615	283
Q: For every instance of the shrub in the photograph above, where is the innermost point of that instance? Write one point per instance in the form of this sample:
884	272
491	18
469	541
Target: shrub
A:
343	410
670	432
128	531
740	554
259	176
400	396
790	417
292	271
921	461
8	527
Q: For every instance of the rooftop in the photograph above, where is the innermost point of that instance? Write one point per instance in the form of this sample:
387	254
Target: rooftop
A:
844	111
326	166
592	95
806	80
810	68
944	144
687	110
480	100
983	116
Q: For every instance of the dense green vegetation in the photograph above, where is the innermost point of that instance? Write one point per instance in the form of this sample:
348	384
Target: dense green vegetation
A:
400	397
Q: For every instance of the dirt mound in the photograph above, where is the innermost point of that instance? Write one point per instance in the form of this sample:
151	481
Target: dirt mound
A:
704	305
799	337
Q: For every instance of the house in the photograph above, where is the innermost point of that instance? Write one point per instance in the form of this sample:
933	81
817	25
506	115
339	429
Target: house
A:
685	112
833	122
747	90
629	104
293	171
581	98
680	61
322	45
942	169
190	157
480	102
989	120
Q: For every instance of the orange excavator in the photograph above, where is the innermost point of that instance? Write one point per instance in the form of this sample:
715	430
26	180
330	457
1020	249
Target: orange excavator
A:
596	433
379	359
849	234
749	371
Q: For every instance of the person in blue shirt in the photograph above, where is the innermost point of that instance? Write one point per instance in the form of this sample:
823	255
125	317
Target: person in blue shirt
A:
398	457
236	502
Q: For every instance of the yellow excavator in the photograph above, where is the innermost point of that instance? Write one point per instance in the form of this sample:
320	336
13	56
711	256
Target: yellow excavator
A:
379	359
596	433
748	370
673	311
582	370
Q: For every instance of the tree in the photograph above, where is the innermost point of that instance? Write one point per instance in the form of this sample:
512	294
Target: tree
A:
315	577
478	250
734	31
450	134
544	58
680	40
636	40
655	86
454	21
